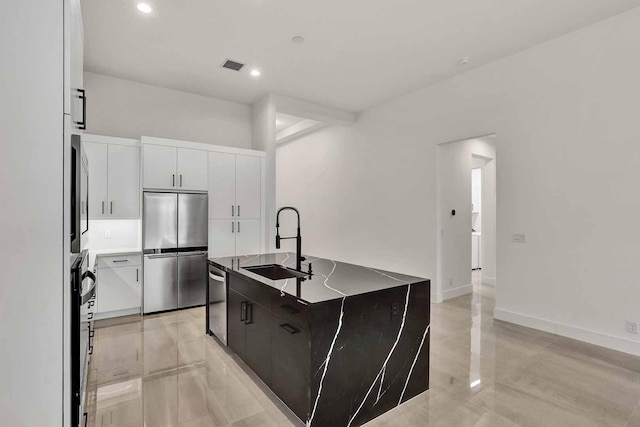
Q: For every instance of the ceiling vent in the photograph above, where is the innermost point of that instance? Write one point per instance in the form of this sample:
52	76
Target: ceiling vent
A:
232	65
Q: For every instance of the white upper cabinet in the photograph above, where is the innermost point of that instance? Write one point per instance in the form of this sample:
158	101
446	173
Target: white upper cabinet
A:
173	168
160	164
123	181
235	186
248	187
192	169
97	155
114	179
75	100
222	185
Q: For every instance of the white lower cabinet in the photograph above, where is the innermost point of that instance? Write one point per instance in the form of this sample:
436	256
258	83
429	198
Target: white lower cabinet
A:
230	238
119	286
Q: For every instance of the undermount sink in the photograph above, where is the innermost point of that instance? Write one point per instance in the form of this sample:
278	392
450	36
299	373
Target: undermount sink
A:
276	272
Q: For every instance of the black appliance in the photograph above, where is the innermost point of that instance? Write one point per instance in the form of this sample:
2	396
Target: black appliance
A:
83	291
79	195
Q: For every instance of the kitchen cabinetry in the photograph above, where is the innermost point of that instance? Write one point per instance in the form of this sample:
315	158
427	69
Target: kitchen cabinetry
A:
74	94
235	186
229	237
235	204
174	168
114	180
119	283
274	347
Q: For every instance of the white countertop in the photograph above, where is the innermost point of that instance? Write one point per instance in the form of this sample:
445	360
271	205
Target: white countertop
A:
95	253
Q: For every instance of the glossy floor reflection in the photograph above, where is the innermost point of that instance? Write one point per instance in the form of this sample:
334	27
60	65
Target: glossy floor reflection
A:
161	371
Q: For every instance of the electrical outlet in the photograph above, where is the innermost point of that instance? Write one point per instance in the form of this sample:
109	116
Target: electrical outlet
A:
395	309
632	327
107	234
518	238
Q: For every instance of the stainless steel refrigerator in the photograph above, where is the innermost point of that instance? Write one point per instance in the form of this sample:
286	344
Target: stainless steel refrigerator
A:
175	238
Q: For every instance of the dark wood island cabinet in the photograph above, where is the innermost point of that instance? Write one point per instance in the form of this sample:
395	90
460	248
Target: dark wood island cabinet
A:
339	348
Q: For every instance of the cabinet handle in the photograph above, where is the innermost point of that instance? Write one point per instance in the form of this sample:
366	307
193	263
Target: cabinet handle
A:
238	226
289	328
110	208
120	260
180	180
249	314
103	207
137	275
238	210
233	227
173	180
233	210
82	124
243	311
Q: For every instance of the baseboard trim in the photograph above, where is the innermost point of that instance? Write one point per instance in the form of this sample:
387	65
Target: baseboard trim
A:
576	333
456	292
486	280
118	313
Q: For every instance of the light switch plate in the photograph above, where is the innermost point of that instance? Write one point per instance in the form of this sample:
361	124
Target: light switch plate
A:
518	238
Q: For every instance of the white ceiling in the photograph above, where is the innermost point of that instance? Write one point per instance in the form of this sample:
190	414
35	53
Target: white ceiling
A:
284	121
357	53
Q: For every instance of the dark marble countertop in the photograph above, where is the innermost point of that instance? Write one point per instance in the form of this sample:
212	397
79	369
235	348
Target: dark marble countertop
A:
330	280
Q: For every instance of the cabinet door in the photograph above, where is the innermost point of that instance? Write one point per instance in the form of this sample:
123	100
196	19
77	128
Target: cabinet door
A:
247	237
222	238
124	181
119	288
98	177
222	185
76	67
236	328
160	164
290	366
248	186
192	169
259	325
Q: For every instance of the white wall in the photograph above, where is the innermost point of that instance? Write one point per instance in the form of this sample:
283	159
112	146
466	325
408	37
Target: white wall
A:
31	213
127	109
455	161
115	234
565	114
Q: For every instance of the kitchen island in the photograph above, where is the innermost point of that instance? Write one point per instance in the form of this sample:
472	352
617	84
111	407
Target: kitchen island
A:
340	347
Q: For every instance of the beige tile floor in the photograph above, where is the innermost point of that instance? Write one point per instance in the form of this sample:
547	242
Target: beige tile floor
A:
162	371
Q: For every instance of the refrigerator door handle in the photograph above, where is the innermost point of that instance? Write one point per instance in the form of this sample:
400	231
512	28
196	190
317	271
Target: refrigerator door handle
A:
198	253
167	255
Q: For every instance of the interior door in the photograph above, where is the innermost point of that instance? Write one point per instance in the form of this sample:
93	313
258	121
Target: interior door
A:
192	169
192	279
160	283
222	186
160	221
98	177
248	237
236	328
248	186
222	238
192	220
124	181
160	165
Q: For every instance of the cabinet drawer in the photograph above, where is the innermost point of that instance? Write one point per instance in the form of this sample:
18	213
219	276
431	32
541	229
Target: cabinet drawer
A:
288	307
111	261
257	292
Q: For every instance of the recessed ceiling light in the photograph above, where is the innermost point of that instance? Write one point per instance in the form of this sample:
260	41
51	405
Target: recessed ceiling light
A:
144	8
255	72
297	39
464	61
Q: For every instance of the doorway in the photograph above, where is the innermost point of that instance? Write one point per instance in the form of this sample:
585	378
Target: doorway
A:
466	253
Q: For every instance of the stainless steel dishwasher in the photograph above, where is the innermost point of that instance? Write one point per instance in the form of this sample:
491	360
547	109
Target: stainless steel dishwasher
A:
217	303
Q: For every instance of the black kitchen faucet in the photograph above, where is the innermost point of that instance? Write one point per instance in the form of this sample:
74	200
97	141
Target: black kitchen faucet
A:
298	237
